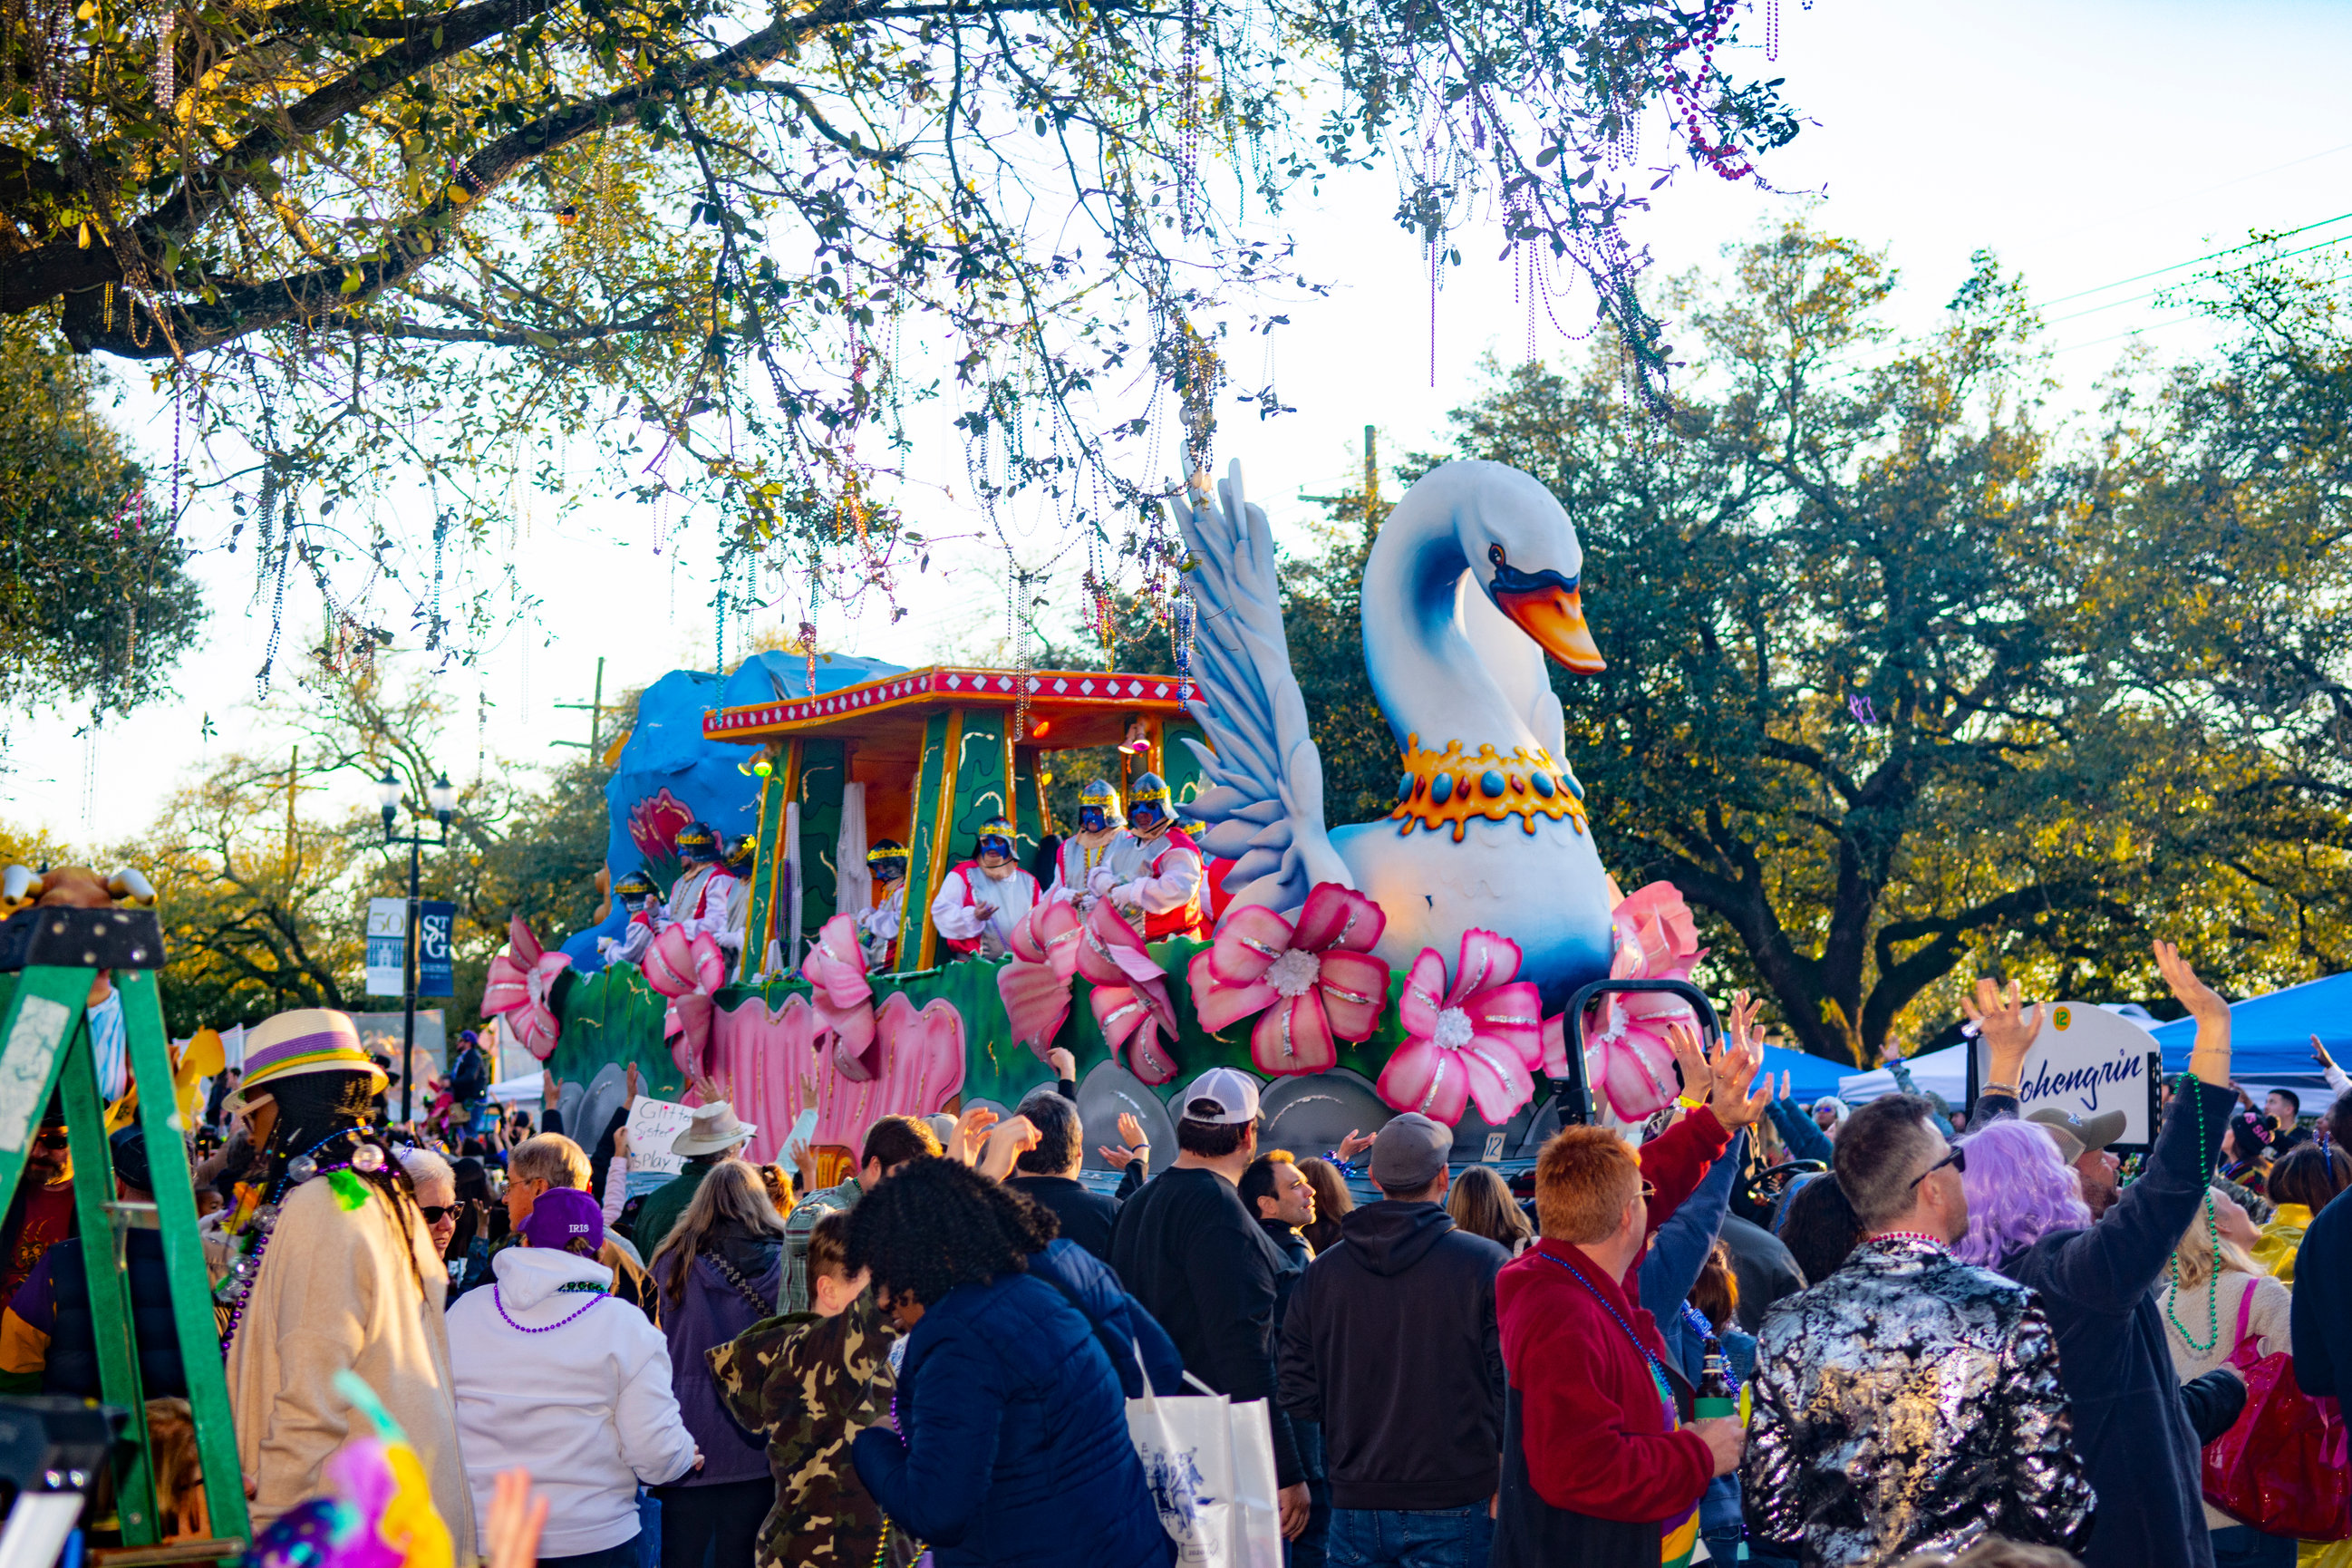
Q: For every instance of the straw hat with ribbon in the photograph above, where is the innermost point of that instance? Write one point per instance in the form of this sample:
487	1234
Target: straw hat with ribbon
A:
306	1040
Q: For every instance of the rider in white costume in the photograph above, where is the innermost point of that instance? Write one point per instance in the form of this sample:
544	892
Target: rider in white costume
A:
982	900
1100	855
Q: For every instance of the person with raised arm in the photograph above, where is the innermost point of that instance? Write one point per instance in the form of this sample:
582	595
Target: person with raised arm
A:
2097	1280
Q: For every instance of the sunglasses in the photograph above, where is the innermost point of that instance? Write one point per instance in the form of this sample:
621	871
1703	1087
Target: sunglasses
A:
435	1213
1957	1160
52	1140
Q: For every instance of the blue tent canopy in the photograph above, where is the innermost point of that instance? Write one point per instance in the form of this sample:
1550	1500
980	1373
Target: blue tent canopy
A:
1810	1076
2270	1038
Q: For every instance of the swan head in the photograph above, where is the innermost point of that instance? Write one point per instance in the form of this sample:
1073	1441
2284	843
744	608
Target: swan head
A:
1524	555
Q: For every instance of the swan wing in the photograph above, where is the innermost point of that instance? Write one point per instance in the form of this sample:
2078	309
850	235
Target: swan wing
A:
1263	804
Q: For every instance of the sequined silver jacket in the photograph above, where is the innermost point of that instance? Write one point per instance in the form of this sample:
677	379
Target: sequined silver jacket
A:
1908	1403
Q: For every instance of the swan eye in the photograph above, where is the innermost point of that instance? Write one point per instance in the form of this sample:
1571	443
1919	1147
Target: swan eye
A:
1495	553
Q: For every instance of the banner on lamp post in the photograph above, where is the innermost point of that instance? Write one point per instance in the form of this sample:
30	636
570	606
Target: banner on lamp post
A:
435	972
387	943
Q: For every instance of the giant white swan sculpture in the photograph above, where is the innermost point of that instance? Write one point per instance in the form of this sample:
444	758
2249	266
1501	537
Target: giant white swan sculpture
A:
1471	582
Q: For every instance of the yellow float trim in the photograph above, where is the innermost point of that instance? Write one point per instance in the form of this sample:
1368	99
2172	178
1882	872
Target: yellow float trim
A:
1447	789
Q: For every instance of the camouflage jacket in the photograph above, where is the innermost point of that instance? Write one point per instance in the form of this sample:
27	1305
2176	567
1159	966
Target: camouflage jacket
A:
810	1385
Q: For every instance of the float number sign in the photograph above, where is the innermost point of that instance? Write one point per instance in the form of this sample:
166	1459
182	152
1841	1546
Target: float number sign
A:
2087	1060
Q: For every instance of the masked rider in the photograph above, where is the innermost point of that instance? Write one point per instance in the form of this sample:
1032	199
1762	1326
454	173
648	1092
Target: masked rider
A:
1163	896
641	896
1100	855
982	900
706	897
877	928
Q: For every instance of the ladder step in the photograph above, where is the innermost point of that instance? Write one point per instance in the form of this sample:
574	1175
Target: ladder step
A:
227	1549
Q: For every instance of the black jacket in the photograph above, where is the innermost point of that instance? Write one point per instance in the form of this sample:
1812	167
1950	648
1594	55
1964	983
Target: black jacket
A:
1186	1248
2323	1306
1086	1216
2098	1288
1299	1255
1391	1344
72	1365
1767	1270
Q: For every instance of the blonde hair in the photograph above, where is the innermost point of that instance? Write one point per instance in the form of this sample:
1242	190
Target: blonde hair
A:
2194	1255
549	1157
732	1191
1481	1204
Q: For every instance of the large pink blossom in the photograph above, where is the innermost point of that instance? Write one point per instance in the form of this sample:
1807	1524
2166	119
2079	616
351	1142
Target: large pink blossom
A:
1630	1063
1312	982
1034	982
521	989
687	971
1479	1039
835	968
1130	999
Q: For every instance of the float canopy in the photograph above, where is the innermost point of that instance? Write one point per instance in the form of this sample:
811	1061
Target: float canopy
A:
1066	708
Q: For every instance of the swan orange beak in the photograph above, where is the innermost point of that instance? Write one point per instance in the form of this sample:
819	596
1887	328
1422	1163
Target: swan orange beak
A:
1554	617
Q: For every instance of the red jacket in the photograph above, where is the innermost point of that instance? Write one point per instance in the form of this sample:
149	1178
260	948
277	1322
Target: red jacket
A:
1593	1431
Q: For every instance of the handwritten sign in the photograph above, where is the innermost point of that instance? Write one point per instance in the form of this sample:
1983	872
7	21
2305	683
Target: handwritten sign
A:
653	1125
2087	1060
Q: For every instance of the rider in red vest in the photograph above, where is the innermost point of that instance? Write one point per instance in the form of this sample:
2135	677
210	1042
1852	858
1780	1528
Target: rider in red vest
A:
982	900
1167	894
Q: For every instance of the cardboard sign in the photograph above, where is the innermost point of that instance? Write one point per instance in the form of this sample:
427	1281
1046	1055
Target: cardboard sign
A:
653	1125
2086	1060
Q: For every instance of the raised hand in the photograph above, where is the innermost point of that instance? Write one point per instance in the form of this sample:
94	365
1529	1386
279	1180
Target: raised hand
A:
1065	1065
1732	1070
970	1129
1691	1057
2209	1058
1744	1009
2319	1054
1007	1142
1355	1144
1131	1131
513	1521
2007	1025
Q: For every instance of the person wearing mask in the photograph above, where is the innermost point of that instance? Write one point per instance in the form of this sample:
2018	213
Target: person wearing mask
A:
1481	1204
1164	892
329	1269
1840	1466
2306	1179
2214	1300
1333	1202
2096	1283
1048	1172
1598	1468
712	1136
982	900
718	1273
1412	1441
1195	1256
890	1142
809	1382
1100	855
554	1374
41	1214
2083	1143
49	1338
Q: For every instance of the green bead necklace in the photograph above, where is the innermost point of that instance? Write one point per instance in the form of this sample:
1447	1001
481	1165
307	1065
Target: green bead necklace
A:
2212	1236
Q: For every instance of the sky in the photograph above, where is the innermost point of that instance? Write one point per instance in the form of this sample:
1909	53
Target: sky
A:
2088	143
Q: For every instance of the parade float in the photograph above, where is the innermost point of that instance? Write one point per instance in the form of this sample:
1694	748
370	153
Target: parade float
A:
1423	960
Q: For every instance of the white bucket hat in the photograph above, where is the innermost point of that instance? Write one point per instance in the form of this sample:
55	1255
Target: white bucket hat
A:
713	1130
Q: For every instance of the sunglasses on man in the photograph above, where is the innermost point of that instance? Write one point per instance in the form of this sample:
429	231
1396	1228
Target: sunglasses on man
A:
1957	1160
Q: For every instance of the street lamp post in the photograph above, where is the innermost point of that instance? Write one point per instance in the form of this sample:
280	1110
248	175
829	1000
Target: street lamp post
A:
443	795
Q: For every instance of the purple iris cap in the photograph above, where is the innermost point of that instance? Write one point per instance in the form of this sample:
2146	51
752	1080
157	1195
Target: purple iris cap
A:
566	1219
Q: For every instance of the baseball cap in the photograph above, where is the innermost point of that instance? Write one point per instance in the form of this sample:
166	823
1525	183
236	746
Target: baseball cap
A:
2079	1135
1409	1153
1231	1092
566	1219
129	1148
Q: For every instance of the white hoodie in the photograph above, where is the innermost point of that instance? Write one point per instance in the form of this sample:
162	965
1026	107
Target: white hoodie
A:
586	1407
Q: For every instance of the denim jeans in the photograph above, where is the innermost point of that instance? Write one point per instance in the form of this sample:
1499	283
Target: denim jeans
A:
625	1555
1307	1551
2246	1547
1398	1538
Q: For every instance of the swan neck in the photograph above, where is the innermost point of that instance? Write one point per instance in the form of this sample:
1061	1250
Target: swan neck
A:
1431	683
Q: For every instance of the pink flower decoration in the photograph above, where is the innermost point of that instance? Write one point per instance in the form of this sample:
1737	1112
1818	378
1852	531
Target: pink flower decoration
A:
687	971
1632	1066
836	971
1312	983
1034	982
1130	994
1478	1040
654	823
521	987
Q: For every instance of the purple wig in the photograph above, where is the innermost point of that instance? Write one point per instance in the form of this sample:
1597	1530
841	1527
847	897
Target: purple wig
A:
2018	1191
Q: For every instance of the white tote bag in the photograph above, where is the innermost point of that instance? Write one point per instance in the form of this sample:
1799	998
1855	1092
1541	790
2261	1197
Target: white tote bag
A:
1210	1465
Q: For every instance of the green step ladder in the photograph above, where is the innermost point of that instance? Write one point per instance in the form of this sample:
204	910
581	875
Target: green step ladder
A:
49	959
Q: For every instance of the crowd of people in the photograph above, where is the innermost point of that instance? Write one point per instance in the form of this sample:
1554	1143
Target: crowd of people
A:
1890	1334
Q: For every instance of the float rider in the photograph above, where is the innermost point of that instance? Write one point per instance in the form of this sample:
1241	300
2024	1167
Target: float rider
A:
877	926
1166	890
707	897
1100	855
641	896
983	899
